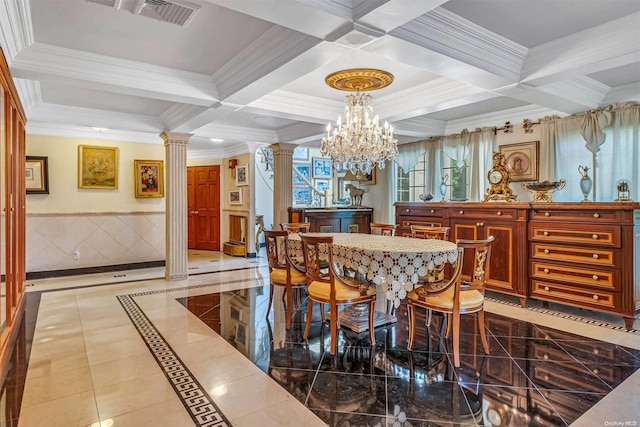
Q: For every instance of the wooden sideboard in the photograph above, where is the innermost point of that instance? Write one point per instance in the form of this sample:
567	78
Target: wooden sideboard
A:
334	220
581	254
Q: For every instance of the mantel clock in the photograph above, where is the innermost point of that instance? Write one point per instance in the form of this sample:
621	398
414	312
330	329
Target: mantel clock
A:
499	180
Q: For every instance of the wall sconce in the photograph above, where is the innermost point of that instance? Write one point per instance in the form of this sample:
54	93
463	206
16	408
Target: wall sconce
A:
232	165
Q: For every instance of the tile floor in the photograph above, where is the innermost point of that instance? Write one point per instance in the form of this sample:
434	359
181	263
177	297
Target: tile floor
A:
136	350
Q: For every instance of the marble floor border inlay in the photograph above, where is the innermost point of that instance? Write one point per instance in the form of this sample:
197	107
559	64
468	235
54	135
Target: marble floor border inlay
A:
202	409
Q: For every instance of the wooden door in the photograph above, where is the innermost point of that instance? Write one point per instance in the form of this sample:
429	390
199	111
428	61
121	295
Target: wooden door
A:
203	204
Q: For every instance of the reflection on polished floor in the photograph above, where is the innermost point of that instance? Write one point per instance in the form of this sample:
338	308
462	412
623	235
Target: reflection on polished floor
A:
136	350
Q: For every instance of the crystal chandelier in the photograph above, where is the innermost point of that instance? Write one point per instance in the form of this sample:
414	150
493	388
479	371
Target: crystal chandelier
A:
358	142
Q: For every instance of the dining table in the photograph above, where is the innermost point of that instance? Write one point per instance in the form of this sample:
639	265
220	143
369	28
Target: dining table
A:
393	264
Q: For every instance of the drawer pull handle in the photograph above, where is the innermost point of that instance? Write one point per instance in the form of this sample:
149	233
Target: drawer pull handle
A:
595	277
546	233
596	215
546	270
596	297
596	256
461	212
546	377
547	214
596	371
546	251
546	288
433	211
499	213
479	224
407	210
595	236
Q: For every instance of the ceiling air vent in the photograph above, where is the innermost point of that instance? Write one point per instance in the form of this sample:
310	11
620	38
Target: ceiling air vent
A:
109	3
178	12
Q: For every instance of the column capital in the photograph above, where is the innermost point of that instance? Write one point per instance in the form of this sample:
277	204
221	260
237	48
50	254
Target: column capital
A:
283	148
175	137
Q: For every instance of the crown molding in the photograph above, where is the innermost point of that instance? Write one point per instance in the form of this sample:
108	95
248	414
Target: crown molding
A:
455	37
301	132
53	63
603	47
419	127
580	89
236	133
16	29
296	106
35	127
29	93
630	92
178	114
274	48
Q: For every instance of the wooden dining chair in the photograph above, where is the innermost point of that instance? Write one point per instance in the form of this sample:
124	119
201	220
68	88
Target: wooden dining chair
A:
330	288
281	271
424	232
460	294
296	227
383	229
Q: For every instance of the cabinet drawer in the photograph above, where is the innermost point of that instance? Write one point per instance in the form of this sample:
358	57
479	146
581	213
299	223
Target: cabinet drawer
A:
484	213
591	216
591	236
589	276
407	222
589	256
575	295
420	211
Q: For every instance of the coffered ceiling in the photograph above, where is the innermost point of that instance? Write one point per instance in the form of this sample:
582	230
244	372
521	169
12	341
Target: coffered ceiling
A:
252	71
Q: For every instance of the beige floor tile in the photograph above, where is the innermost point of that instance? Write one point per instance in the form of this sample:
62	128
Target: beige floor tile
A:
222	370
254	393
56	386
43	365
124	369
116	350
51	345
170	413
72	411
97	337
121	398
290	413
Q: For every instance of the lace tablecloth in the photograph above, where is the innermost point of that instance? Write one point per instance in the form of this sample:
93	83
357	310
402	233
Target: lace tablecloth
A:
392	263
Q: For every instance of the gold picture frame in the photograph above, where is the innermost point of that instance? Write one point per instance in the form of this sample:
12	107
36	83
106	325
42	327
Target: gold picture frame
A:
97	167
369	178
149	178
521	160
37	175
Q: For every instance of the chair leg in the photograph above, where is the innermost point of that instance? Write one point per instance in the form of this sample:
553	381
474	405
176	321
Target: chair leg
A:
288	311
412	325
483	334
334	329
270	299
372	332
456	339
309	315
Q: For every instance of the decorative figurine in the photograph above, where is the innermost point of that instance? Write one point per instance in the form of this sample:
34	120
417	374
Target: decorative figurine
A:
585	182
624	191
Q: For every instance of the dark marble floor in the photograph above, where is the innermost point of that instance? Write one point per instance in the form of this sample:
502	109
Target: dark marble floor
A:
534	376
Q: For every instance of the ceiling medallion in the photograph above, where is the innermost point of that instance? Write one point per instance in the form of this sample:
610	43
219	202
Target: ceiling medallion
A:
358	142
359	79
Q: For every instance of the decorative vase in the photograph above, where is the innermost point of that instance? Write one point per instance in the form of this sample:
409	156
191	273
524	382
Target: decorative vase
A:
585	182
443	187
99	177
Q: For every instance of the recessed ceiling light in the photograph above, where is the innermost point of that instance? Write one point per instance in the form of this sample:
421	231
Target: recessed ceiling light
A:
217	140
101	129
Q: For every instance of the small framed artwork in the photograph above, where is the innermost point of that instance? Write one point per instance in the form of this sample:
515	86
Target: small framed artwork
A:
301	154
242	175
369	178
521	160
97	167
235	196
301	191
343	193
321	168
235	313
37	175
322	184
149	178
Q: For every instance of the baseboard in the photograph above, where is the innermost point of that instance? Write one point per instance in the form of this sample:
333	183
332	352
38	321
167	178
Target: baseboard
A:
92	270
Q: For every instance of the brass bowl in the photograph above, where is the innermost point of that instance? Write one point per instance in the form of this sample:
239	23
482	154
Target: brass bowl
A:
425	197
544	185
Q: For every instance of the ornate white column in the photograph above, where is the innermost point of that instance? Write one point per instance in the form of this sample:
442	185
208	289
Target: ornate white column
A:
282	185
176	226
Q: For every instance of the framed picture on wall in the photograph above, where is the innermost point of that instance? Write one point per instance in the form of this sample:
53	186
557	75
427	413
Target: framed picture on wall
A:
242	175
235	196
521	160
37	175
321	168
369	178
149	178
301	191
301	154
97	167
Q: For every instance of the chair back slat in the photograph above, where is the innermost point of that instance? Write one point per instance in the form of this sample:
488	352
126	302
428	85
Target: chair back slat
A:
480	254
274	242
312	248
424	232
382	229
296	227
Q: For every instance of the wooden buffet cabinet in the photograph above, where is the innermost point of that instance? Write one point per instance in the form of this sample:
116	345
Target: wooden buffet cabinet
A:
334	220
581	254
